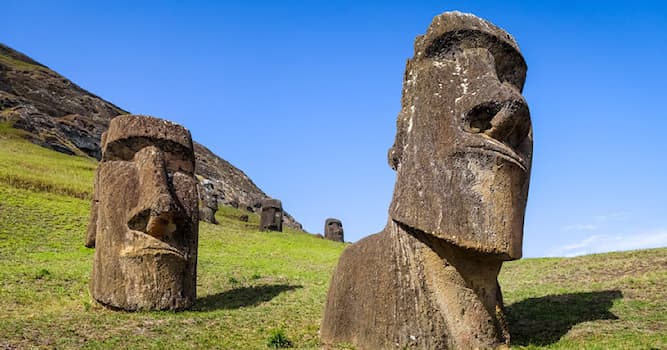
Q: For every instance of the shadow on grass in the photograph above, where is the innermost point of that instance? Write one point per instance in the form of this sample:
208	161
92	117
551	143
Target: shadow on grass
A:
544	320
241	297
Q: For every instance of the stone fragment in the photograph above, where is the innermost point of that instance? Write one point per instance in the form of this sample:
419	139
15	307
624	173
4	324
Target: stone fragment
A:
462	156
144	217
272	215
333	230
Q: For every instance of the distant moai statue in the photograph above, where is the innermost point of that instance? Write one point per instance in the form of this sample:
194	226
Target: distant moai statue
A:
272	215
333	230
462	154
144	217
209	202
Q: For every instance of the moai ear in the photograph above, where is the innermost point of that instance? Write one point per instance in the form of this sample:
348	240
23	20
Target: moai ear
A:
396	151
94	207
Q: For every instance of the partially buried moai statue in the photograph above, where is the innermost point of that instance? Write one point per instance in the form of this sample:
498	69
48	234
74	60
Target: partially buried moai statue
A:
333	230
272	215
144	218
209	202
462	154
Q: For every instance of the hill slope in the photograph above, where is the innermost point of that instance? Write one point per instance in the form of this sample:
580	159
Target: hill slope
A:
252	283
60	115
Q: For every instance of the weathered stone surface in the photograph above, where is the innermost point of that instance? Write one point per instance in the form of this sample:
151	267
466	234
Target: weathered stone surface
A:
208	202
333	230
58	114
144	218
462	154
271	218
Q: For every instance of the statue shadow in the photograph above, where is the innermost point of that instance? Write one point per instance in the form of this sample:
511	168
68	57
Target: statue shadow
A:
544	320
241	297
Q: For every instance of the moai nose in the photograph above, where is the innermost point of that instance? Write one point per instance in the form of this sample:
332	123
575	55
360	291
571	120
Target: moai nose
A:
161	222
498	109
505	119
158	209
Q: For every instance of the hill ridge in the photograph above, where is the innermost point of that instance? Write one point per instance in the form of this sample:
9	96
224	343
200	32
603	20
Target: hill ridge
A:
58	114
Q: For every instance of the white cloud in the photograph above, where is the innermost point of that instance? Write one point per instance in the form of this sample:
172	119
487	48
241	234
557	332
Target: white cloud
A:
610	243
598	222
581	227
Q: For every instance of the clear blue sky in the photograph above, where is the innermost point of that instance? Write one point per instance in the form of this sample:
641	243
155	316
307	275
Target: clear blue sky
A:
303	97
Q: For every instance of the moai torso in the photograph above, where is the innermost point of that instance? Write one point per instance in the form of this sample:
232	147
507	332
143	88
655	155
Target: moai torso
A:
462	154
271	218
333	230
144	220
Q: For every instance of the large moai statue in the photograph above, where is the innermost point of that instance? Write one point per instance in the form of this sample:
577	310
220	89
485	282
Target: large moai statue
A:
272	215
209	202
333	230
462	154
144	218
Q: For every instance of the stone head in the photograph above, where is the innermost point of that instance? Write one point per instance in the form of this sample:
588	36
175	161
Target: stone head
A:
146	224
207	195
272	215
333	230
464	139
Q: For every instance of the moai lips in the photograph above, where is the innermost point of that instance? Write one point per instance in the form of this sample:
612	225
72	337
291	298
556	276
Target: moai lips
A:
144	220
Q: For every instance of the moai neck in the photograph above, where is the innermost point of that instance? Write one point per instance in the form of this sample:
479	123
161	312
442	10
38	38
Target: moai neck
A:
460	283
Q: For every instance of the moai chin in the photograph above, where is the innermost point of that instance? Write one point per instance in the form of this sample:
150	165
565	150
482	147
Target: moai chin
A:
144	218
462	154
333	230
272	215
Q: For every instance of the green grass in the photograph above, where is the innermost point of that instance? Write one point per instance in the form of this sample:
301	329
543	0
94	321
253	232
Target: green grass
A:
256	289
20	65
28	166
601	301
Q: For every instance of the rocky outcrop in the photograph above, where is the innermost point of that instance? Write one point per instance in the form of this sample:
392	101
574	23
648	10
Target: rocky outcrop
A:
57	113
60	115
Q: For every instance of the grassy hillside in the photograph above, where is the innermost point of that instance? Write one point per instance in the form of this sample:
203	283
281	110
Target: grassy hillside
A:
252	284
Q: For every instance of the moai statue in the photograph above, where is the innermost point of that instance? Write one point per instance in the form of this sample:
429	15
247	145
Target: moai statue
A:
462	154
333	230
144	218
209	202
272	215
